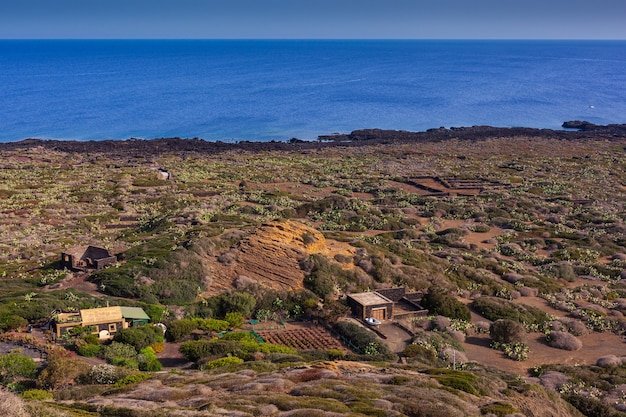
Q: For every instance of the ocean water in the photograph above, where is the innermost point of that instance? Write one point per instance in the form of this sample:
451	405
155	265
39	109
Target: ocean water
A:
274	90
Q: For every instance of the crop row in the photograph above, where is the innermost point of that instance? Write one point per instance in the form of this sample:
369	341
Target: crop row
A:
302	339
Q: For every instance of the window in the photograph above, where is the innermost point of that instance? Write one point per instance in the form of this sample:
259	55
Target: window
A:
112	327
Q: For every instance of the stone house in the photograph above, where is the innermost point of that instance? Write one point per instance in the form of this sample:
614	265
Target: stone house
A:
385	304
163	174
80	258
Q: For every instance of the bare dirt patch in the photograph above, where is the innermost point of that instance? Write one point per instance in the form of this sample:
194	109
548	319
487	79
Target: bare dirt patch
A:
595	345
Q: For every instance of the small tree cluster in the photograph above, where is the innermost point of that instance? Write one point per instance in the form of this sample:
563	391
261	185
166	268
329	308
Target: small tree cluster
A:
440	302
139	337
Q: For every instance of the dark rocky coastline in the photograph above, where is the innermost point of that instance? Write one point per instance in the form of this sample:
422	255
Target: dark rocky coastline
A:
576	130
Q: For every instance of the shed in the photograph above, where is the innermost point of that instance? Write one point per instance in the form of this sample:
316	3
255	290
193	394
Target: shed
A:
371	304
163	174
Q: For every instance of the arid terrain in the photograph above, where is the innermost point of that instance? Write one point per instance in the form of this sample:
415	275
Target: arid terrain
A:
513	240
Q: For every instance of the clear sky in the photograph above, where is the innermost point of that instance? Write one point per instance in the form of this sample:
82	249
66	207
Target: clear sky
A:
301	19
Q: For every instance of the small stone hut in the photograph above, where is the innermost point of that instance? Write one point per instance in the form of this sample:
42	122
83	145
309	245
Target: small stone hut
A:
386	304
81	258
371	304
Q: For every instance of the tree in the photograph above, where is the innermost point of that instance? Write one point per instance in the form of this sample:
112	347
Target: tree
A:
440	302
237	302
14	365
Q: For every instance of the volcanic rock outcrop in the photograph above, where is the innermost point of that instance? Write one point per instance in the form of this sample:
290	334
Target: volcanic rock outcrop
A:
270	256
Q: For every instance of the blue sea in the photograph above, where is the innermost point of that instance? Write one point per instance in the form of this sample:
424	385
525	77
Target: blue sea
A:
259	90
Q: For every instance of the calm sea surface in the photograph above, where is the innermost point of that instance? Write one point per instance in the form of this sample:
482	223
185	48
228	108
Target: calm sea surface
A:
264	90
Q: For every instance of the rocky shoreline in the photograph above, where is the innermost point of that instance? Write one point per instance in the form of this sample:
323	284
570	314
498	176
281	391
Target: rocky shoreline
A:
573	130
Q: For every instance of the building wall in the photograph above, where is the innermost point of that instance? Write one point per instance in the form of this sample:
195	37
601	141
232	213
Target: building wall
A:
356	307
388	310
394	294
364	311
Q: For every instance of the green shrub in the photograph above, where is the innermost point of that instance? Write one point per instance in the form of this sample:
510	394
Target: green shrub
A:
590	407
130	363
218	363
148	360
37	395
420	353
139	337
494	308
461	380
440	302
363	340
235	319
239	344
132	379
15	365
213	325
179	329
500	409
92	339
88	350
12	322
117	350
197	349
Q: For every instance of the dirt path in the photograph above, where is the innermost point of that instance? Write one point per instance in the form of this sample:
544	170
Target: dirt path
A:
172	358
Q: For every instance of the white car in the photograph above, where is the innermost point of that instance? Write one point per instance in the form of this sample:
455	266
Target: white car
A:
372	321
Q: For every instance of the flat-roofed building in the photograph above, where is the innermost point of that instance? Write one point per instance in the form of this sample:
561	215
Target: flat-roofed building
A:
104	321
371	304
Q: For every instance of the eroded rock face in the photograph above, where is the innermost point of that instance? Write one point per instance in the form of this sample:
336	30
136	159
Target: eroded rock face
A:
270	256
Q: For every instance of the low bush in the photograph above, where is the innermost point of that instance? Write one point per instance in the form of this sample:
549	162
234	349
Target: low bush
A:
37	395
363	340
88	350
179	329
213	325
507	331
139	337
14	365
218	363
240	344
131	379
117	350
494	308
589	406
148	360
103	374
563	340
499	409
461	380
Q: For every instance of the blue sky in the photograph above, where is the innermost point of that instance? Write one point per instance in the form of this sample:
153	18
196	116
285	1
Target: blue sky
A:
421	19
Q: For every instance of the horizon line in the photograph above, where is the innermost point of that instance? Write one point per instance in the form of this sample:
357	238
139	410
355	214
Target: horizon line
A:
296	39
